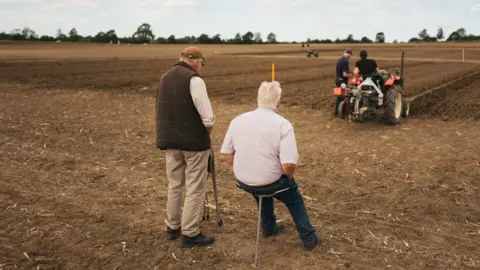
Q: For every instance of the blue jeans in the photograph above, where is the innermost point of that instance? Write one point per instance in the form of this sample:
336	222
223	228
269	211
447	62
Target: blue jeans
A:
292	199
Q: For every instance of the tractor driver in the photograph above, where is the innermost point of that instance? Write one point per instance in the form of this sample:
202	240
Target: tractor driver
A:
368	67
342	74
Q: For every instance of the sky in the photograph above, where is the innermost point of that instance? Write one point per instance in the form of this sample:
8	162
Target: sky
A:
288	19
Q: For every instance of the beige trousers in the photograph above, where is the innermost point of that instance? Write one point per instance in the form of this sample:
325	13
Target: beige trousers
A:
187	169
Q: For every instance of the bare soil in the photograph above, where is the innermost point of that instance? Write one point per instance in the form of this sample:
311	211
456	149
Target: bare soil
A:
80	174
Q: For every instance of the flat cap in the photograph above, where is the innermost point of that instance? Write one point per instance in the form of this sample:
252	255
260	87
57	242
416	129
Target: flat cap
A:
192	52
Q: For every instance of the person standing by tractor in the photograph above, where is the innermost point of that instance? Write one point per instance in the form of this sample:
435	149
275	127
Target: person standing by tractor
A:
342	74
184	122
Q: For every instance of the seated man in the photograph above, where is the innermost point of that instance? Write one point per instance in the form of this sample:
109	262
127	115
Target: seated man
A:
356	80
368	67
261	146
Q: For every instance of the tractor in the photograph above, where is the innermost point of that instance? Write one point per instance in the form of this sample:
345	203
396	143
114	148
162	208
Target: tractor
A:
310	53
363	96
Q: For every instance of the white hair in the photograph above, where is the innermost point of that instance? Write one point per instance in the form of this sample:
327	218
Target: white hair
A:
269	94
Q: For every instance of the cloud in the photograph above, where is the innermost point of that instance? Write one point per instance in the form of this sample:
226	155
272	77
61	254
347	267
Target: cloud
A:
157	4
55	4
476	8
180	3
20	1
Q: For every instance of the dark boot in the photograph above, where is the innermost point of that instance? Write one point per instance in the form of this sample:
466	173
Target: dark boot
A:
199	240
311	242
173	234
279	227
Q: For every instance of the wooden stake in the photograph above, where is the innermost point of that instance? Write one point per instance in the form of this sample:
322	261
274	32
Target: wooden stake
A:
273	72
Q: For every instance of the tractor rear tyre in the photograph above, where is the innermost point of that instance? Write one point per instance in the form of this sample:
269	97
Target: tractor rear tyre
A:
393	105
342	109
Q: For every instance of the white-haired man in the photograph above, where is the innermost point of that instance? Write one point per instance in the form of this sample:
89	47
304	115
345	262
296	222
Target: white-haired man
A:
184	122
261	147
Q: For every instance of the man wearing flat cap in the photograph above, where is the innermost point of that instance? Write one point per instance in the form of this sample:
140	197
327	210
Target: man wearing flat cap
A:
184	121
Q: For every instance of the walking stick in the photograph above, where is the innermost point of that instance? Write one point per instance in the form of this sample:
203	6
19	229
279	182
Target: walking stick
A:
211	169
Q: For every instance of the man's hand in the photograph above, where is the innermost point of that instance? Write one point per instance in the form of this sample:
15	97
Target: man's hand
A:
228	158
209	130
289	169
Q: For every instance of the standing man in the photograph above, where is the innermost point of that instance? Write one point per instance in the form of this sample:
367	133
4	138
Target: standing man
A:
184	122
342	74
261	147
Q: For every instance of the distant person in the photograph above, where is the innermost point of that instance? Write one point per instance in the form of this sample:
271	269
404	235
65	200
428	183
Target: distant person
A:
261	147
367	67
342	74
184	122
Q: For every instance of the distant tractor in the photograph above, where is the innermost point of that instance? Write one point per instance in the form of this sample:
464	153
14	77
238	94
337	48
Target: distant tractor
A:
310	53
364	96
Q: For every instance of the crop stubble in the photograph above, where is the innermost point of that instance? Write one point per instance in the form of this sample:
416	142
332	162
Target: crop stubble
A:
80	174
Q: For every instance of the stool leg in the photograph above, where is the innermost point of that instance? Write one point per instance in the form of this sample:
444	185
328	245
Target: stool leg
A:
258	228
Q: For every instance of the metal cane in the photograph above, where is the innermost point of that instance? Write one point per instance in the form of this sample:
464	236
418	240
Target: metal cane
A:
211	169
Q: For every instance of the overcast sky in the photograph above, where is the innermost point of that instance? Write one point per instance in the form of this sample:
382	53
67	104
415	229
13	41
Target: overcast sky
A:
288	19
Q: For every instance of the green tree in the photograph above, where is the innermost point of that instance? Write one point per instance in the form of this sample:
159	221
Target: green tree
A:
366	40
61	35
144	34
380	37
423	35
28	33
161	40
247	38
100	37
171	39
203	39
257	38
217	39
73	35
111	36
457	35
350	39
440	35
271	38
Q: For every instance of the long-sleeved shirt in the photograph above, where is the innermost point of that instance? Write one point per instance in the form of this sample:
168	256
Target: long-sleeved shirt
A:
198	90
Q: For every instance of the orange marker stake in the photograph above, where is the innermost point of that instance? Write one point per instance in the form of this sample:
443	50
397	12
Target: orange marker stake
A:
273	72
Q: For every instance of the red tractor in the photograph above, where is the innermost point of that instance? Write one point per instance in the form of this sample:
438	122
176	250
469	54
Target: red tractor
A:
364	96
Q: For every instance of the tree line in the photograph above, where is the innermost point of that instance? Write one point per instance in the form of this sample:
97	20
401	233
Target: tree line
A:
144	34
458	35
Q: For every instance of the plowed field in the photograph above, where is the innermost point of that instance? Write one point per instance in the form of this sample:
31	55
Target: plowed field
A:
79	172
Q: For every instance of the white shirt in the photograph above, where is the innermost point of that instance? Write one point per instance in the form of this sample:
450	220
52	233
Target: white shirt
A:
261	141
198	90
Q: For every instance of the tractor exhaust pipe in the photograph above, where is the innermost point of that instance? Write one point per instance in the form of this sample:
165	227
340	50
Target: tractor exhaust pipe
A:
401	69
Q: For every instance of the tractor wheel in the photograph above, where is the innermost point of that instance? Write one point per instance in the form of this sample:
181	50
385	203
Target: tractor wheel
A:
405	107
342	109
393	104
